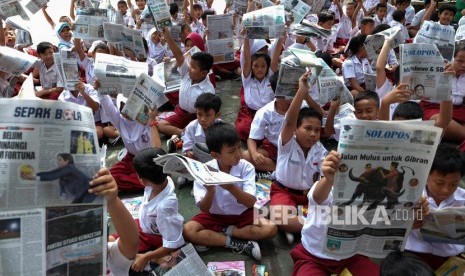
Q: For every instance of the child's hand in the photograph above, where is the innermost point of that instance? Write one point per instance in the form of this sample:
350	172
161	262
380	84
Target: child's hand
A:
166	59
166	32
105	185
190	154
303	82
335	103
153	115
330	165
258	158
97	84
399	94
80	86
210	188
448	69
139	263
423	206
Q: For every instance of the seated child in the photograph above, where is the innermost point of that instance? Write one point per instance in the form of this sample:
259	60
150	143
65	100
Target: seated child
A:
446	13
84	94
47	74
355	67
128	21
174	12
65	36
196	11
366	105
398	20
157	50
347	22
381	14
442	190
227	215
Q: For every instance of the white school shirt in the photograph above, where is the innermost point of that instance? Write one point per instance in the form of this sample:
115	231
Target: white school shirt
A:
224	203
295	171
379	22
157	51
49	78
88	64
345	26
416	243
128	20
135	136
257	94
198	28
418	19
189	92
458	94
67	96
267	123
118	264
409	14
160	216
355	68
402	27
193	133
368	4
383	91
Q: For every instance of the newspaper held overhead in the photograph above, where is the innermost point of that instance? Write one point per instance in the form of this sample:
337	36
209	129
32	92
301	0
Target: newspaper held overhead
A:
309	29
117	74
220	41
160	12
9	8
381	176
89	23
83	4
67	65
445	225
443	36
318	5
146	94
22	32
265	23
330	86
239	6
422	67
374	43
298	8
48	155
122	37
15	62
35	5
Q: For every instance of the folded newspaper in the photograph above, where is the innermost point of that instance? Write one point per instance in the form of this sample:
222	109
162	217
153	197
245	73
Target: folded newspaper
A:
422	67
381	176
146	94
239	6
89	23
220	38
9	8
298	8
445	225
374	43
194	170
35	5
67	65
160	12
265	23
49	223
318	5
15	62
22	32
122	37
309	29
441	35
330	86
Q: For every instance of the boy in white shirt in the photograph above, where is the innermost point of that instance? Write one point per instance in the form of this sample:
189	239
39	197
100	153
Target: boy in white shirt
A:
227	216
47	73
381	14
347	22
84	94
446	13
127	18
398	20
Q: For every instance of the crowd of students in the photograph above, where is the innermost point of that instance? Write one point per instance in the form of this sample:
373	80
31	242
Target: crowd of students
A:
282	136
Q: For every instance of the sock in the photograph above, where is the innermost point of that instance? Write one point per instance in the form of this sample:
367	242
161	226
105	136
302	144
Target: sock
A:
228	242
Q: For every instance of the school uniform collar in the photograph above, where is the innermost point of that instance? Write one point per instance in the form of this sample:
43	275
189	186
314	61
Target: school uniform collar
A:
313	151
51	68
458	195
203	84
169	189
69	95
198	130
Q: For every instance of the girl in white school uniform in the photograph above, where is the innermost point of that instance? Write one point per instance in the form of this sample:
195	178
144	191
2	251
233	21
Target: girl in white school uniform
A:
354	68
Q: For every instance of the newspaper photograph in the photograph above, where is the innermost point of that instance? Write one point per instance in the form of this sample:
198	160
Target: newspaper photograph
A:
48	155
445	225
146	94
381	176
374	43
89	23
422	67
370	81
117	74
35	5
68	65
9	8
265	23
15	62
443	36
127	38
185	261
160	12
298	8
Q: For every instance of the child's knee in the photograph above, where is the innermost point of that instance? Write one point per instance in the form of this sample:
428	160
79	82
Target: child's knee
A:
190	229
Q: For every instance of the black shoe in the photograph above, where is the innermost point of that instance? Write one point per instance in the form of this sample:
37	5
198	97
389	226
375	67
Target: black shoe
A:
250	248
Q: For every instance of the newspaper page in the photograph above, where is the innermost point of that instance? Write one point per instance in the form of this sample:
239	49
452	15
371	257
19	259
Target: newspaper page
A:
35	5
69	66
239	6
381	176
445	225
309	29
146	94
160	12
370	81
22	32
15	62
9	8
298	8
374	43
186	261
422	67
265	23
220	41
318	5
443	36
89	23
117	74
83	4
122	37
49	223
460	33
330	86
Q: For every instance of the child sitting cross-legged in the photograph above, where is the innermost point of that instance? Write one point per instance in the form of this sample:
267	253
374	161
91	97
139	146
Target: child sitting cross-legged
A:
227	216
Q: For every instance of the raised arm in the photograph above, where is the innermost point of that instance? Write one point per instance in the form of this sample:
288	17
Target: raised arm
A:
177	53
328	168
191	7
355	14
79	49
47	16
72	8
81	87
156	142
339	7
381	62
2	33
397	95
274	65
247	66
429	11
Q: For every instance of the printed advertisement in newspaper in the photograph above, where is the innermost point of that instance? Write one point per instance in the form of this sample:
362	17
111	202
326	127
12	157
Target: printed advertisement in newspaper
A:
265	23
298	8
443	36
49	223
381	176
15	62
117	74
146	94
67	65
9	8
422	67
374	43
122	37
89	23
35	5
186	261
445	225
160	13
220	41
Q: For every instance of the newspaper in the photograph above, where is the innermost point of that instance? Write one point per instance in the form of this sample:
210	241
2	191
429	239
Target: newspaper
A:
331	86
117	74
318	5
194	170
460	33
240	6
49	223
123	37
374	43
220	41
160	12
89	23
422	67
146	94
453	266
15	62
83	4
370	81
309	29
443	36
298	8
265	23
9	8
67	64
381	176
445	225
22	32
35	5
187	262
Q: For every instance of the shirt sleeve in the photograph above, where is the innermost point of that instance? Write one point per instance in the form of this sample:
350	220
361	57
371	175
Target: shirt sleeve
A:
257	128
93	94
199	192
110	110
248	175
183	69
348	70
170	223
188	138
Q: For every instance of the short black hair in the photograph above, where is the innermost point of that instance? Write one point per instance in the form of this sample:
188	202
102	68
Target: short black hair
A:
356	44
459	47
220	134
197	6
43	46
67	157
274	80
408	110
325	56
380	28
367	95
207	13
398	15
381	5
146	168
367	20
308	112
174	8
324	16
401	1
204	59
405	264
207	101
448	159
451	8
122	2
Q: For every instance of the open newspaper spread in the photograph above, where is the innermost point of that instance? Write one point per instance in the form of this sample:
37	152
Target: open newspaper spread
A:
445	225
443	36
160	12
194	170
9	8
265	23
67	65
89	23
374	43
422	67
35	5
15	62
146	94
117	74
122	37
382	174
49	223
220	41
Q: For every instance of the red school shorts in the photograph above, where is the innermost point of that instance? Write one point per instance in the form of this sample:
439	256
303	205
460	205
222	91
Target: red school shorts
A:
271	149
216	222
180	118
147	242
125	175
281	196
